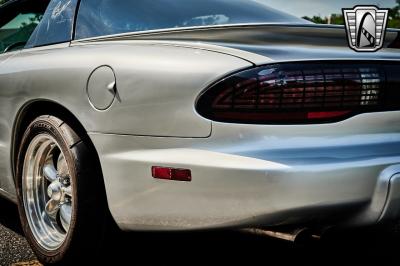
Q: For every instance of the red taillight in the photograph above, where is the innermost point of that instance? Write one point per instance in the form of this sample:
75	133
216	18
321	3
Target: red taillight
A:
322	115
168	173
301	93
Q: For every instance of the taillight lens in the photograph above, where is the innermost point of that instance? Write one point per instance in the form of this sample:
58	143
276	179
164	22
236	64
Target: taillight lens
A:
307	92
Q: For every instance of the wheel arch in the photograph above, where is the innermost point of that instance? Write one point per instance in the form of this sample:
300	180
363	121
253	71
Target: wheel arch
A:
35	108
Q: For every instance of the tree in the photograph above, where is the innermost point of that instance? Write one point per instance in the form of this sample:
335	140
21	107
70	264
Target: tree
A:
317	19
394	16
337	19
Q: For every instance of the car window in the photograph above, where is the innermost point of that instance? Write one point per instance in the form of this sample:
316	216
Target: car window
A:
15	33
105	17
56	25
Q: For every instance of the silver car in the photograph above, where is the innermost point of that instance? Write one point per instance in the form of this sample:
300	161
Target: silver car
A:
188	115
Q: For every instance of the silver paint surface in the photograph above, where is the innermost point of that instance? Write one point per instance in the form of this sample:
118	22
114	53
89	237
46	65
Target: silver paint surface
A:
242	174
251	175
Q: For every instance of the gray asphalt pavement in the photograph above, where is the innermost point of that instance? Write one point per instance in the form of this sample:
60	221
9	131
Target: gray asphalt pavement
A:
13	246
215	247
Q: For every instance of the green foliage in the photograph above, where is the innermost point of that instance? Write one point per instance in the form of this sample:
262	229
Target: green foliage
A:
337	19
394	16
317	19
32	21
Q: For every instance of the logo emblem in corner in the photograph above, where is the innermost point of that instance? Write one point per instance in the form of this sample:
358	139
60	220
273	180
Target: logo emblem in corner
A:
366	27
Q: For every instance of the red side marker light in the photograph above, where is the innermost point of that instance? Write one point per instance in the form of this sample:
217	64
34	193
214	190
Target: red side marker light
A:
175	174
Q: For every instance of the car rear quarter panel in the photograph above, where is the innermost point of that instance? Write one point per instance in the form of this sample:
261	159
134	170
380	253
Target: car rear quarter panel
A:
157	87
157	94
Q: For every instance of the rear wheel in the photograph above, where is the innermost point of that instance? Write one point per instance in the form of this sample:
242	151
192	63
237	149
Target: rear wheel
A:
61	195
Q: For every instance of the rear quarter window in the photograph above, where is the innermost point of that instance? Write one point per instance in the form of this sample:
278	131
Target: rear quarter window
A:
107	17
56	25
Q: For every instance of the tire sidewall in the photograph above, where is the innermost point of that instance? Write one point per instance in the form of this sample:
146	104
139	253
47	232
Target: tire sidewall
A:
47	127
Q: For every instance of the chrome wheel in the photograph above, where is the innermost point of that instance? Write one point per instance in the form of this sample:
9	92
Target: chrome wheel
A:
47	192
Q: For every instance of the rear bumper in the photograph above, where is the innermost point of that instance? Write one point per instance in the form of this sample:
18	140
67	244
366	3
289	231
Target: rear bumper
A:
391	196
256	175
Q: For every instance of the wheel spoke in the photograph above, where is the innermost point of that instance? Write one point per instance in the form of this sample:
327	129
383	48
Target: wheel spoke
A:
47	191
52	207
68	191
49	171
65	215
62	167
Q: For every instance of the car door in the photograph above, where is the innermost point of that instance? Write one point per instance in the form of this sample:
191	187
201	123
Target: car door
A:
18	19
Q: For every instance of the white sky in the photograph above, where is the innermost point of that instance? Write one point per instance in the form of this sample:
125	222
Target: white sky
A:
322	8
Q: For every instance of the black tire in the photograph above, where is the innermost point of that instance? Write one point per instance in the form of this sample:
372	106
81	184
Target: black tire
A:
90	214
